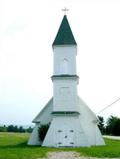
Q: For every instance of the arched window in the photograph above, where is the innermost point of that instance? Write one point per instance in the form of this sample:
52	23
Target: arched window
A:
64	66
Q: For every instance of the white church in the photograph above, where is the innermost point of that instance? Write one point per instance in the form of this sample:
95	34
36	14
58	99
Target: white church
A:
72	123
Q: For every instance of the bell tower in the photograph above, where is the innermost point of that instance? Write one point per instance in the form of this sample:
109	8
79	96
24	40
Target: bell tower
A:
64	77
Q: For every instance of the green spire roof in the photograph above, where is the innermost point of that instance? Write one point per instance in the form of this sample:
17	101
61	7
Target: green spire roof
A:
64	35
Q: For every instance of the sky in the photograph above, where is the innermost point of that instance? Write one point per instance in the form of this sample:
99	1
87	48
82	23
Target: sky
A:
27	31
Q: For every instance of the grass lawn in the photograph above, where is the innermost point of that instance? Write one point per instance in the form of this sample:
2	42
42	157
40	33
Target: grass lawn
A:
14	146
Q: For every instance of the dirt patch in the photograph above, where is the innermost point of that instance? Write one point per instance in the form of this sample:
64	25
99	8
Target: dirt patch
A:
69	155
63	155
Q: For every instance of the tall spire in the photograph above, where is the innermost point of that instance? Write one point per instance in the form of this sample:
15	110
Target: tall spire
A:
64	35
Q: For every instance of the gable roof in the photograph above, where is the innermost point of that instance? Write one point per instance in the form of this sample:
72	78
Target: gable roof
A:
44	116
64	35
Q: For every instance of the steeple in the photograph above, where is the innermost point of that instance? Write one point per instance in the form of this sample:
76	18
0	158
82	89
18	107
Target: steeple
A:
64	35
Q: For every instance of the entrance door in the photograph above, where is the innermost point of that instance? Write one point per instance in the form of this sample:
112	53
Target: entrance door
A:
66	138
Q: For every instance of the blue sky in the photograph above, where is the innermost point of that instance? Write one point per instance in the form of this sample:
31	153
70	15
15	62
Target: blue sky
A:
27	30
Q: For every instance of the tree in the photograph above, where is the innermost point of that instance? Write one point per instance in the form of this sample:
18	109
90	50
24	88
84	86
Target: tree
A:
10	128
113	126
29	130
101	124
21	130
15	129
3	128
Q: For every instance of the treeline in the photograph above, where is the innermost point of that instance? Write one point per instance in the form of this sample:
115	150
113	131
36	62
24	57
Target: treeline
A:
12	128
110	127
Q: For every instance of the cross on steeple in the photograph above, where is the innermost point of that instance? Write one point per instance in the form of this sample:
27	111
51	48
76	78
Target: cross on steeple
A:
65	10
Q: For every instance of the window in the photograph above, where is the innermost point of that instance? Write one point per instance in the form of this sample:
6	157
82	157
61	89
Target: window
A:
71	143
64	66
59	143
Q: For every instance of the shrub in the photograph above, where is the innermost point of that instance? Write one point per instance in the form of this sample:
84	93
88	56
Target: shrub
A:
42	131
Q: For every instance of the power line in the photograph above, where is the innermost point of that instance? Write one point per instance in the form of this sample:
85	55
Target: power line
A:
108	106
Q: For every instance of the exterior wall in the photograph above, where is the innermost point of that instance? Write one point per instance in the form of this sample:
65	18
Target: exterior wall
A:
65	60
89	123
44	117
85	131
65	131
99	139
65	94
34	138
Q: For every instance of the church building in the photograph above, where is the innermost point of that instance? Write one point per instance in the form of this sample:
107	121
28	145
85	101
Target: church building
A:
72	123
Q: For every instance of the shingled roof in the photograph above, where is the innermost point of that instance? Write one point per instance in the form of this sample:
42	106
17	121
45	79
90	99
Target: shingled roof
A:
64	35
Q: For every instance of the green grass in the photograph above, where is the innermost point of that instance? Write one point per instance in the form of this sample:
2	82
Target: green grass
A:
14	146
111	149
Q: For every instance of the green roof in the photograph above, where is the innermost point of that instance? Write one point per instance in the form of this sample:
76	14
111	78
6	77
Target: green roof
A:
64	35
